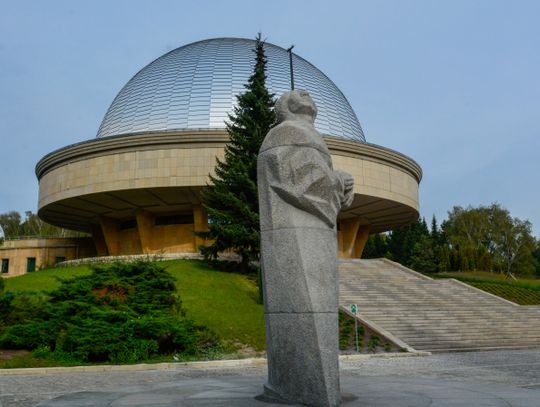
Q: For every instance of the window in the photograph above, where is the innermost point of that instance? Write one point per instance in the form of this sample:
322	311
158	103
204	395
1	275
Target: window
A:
128	224
174	220
5	265
30	264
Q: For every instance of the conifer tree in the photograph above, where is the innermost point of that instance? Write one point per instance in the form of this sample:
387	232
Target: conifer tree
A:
232	200
444	259
435	233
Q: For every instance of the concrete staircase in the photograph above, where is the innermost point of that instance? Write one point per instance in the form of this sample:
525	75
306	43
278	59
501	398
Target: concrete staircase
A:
434	315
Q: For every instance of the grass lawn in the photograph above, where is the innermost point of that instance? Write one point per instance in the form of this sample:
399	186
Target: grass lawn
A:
43	280
524	291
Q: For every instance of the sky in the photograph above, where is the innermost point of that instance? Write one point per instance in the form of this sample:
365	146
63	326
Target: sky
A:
455	85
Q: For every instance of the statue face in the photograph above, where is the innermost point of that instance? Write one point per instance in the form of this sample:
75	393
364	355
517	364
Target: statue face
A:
300	102
296	104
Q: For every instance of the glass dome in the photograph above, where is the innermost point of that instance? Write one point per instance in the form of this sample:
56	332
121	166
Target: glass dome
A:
195	87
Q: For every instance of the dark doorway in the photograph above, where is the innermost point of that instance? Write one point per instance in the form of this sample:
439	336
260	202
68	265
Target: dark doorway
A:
30	264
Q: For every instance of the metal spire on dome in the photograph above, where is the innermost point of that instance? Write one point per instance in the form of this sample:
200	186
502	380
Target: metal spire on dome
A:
289	50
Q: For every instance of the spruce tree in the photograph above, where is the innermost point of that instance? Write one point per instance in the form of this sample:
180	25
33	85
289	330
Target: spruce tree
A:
444	259
435	234
232	200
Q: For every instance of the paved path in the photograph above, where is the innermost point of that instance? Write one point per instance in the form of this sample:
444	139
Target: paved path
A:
498	378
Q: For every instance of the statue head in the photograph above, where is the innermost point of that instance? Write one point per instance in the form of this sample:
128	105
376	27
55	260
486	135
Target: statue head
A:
296	105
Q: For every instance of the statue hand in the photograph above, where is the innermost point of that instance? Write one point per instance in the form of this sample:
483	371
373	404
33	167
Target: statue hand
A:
348	183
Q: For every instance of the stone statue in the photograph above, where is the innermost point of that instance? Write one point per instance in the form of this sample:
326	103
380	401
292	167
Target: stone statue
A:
300	196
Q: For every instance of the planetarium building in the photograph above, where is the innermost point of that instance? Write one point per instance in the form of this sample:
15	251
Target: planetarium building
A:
136	186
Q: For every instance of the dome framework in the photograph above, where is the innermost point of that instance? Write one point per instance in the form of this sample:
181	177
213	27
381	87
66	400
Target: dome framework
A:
195	87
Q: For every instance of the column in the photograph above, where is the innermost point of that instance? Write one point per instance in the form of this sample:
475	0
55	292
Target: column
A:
99	241
200	223
145	225
110	231
361	239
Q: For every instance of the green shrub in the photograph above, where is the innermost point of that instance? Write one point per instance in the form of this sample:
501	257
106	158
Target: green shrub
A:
17	309
373	343
120	313
347	338
5	309
346	328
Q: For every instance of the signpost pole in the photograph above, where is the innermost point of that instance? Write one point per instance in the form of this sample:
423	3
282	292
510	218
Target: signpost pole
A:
354	310
356	332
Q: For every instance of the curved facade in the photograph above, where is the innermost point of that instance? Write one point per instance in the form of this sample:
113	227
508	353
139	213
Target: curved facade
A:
141	193
136	187
195	87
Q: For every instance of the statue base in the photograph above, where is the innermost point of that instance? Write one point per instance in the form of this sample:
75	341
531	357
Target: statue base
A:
270	396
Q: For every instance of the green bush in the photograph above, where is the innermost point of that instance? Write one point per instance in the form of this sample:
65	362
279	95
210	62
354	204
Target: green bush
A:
347	337
5	308
373	343
346	328
120	313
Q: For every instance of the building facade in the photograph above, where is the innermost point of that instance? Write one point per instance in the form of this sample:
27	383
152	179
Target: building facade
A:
136	187
21	256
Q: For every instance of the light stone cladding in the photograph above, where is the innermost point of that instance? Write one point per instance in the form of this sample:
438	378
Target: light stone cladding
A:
123	170
116	177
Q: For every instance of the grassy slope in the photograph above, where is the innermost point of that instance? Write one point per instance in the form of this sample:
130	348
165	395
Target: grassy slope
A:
522	291
224	302
44	280
486	275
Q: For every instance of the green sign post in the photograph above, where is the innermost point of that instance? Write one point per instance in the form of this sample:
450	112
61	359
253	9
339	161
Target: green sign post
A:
354	310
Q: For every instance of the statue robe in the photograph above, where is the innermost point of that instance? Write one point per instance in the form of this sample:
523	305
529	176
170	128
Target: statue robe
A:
300	196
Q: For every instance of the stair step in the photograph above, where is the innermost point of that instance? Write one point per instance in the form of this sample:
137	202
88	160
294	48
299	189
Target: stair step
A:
470	344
